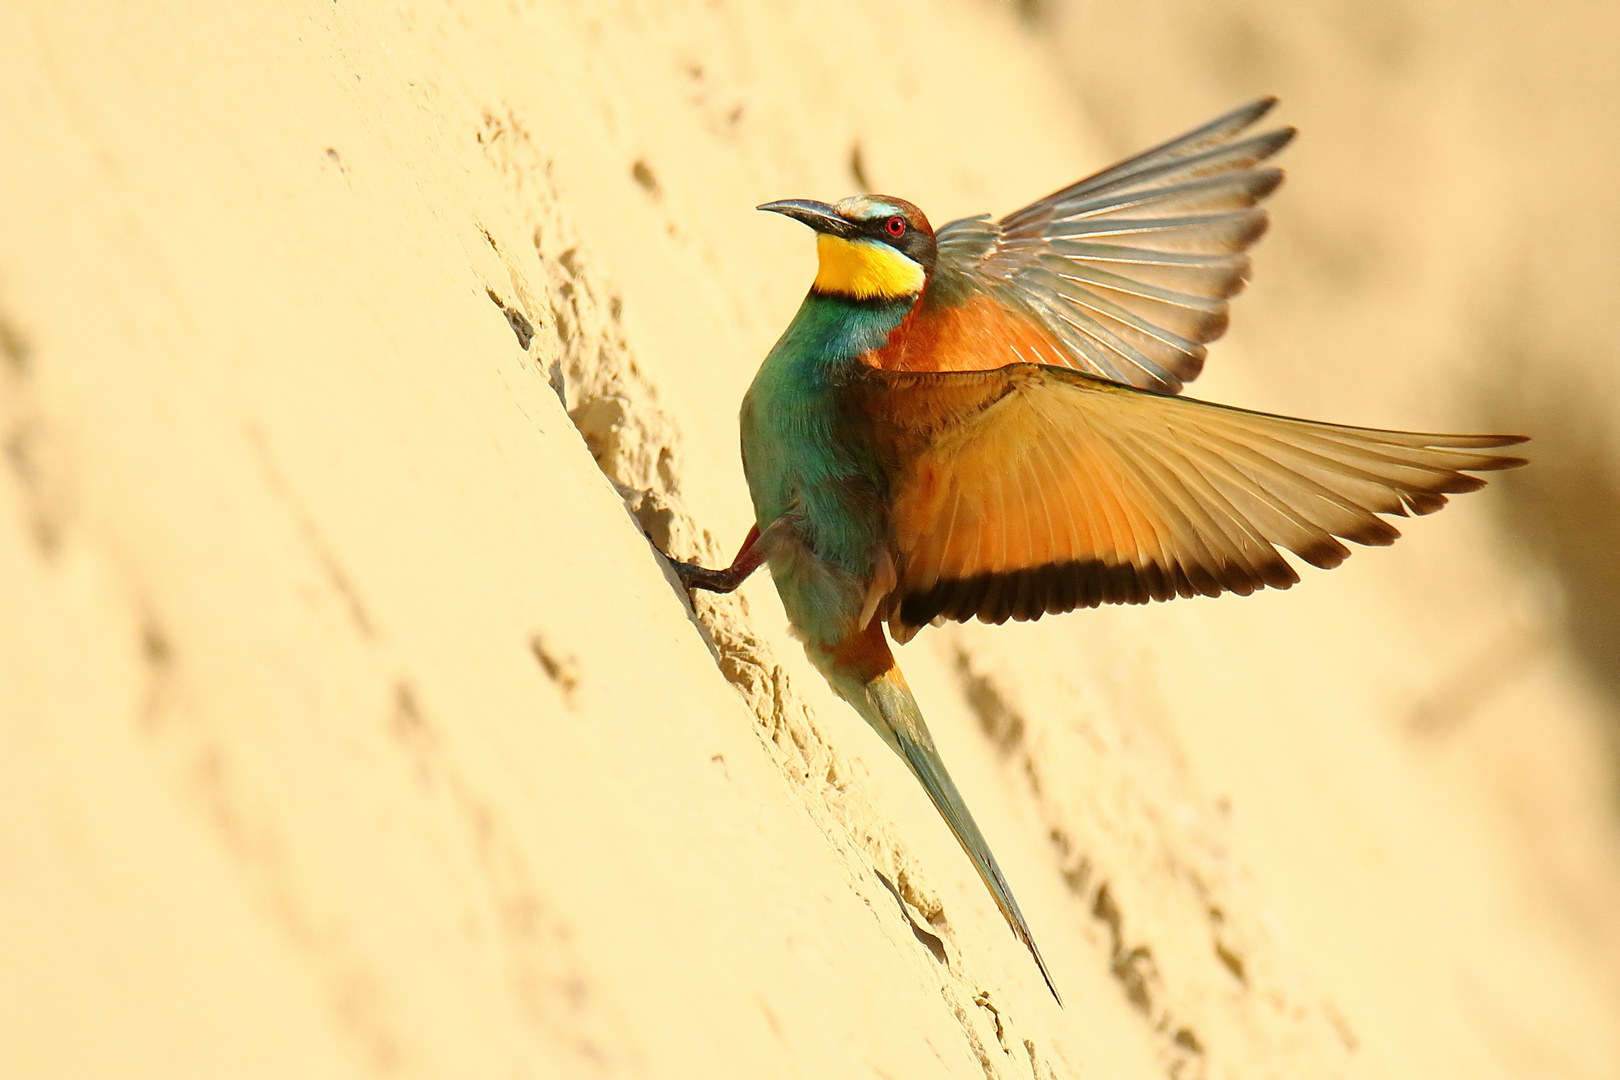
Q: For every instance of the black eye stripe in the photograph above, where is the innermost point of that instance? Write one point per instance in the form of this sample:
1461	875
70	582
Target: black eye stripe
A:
879	227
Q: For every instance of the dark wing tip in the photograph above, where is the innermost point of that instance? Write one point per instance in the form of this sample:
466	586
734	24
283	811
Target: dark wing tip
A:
1265	182
1427	502
1375	531
1244	115
1477	442
1324	552
1054	588
1212	326
1276	573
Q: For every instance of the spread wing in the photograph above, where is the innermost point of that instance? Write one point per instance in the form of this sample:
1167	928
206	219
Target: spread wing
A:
1031	490
1125	274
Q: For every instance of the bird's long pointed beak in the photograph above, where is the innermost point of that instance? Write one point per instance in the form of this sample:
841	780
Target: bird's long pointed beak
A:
818	215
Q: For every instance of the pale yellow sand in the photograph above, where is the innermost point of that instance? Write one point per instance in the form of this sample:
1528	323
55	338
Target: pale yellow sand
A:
350	727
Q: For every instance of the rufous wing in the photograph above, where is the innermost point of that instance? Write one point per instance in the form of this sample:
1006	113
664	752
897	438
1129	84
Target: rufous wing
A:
1125	275
1032	490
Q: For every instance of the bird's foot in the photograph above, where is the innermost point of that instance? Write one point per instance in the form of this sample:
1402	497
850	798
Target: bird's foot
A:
693	576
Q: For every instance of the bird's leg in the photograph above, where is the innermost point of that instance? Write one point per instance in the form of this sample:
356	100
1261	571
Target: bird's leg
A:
749	556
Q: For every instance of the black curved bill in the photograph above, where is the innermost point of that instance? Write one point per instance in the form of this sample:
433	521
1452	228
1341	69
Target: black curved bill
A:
818	215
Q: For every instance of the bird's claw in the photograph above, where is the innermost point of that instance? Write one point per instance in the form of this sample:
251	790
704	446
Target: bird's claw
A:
692	576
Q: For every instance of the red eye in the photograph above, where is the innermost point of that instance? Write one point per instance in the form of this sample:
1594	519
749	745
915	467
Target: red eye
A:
897	226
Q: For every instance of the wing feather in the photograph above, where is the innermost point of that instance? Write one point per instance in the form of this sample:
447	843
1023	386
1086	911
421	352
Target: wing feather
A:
1125	275
1030	490
1206	540
1061	587
1204	151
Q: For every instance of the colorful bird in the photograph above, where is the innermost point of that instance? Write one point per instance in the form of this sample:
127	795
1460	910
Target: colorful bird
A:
980	422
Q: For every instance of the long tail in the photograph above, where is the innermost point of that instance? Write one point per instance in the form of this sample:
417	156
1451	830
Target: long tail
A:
864	673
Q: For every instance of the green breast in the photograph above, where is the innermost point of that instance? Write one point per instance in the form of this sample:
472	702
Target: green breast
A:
799	451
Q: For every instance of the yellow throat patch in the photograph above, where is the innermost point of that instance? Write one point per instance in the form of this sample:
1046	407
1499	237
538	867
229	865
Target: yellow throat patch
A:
866	269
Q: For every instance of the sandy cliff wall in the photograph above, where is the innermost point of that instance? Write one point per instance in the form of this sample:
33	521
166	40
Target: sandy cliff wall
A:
349	726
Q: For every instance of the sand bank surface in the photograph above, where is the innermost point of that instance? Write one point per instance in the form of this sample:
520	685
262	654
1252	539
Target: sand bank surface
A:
349	725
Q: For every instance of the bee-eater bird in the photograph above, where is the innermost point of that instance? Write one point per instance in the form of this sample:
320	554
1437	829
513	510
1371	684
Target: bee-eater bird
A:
981	422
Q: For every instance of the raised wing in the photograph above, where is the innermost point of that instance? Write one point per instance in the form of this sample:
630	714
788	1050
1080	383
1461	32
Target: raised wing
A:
1032	490
1125	274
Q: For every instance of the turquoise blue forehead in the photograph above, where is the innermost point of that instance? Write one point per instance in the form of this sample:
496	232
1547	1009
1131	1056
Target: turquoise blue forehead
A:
865	208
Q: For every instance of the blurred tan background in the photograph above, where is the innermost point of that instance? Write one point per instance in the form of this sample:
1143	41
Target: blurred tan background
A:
350	727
